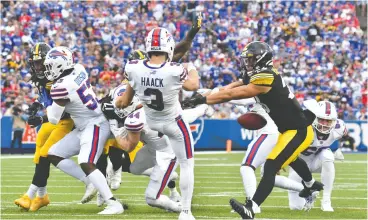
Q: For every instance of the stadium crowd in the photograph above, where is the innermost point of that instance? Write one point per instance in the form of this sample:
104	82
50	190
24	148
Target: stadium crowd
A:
319	46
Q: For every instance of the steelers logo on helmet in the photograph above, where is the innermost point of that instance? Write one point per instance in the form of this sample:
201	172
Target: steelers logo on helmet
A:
255	56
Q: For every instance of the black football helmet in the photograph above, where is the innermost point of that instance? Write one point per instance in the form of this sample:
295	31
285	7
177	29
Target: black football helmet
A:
255	56
137	55
37	57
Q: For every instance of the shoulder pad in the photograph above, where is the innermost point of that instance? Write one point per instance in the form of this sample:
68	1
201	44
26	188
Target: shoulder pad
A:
58	91
340	129
264	77
135	121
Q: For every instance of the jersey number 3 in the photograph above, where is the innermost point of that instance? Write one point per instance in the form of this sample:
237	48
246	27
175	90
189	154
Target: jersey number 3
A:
156	103
86	97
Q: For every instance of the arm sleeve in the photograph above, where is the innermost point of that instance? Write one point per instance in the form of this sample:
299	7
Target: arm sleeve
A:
262	79
54	113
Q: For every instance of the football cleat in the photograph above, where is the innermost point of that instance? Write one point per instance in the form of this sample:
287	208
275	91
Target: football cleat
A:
100	200
317	186
186	215
24	202
309	201
113	207
39	202
244	210
174	195
89	194
115	179
326	206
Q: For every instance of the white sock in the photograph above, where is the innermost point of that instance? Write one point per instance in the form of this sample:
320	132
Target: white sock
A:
69	167
147	172
32	191
99	181
42	191
310	183
186	183
285	183
190	115
327	177
249	180
163	202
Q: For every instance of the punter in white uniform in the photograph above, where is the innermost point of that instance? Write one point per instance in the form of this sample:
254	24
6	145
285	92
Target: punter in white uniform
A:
157	82
71	93
318	156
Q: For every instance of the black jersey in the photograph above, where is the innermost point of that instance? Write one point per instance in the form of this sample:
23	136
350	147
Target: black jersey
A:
283	107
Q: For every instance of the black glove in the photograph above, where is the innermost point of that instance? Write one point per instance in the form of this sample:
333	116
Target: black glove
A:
35	121
196	26
109	111
195	100
34	108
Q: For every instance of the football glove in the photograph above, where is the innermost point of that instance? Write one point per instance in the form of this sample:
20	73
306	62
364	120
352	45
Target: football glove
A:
195	100
109	111
35	121
197	24
34	108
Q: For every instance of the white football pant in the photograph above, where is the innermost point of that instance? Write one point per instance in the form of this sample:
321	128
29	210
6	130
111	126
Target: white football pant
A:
321	163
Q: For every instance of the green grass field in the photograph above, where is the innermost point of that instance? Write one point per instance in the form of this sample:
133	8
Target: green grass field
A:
217	180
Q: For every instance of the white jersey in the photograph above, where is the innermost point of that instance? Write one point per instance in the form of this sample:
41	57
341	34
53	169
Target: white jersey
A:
83	106
321	142
157	87
136	122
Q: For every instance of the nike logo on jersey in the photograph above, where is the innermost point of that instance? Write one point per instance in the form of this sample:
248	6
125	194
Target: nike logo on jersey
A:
156	82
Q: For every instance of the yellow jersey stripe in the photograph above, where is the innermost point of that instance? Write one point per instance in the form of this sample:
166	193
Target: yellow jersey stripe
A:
262	81
256	77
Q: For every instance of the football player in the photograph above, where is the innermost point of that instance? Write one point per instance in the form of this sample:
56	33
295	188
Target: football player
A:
157	83
48	134
319	157
115	154
71	93
156	159
294	125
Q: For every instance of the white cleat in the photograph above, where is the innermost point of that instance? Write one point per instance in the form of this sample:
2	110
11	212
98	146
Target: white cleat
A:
186	216
113	207
309	201
175	207
89	194
100	200
115	179
174	195
326	206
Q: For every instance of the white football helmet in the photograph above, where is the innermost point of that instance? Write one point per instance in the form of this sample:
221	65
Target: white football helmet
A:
160	39
58	60
326	117
118	91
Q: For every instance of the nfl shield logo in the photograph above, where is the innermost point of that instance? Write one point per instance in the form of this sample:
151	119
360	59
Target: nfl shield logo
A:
197	128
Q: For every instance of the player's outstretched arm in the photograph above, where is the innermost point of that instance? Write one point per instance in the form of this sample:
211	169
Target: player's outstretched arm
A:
232	85
192	82
183	46
125	100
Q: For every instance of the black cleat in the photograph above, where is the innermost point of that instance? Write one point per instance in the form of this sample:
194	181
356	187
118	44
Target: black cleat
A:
244	210
317	186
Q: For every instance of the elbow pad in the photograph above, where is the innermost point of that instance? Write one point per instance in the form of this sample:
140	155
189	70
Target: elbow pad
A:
54	113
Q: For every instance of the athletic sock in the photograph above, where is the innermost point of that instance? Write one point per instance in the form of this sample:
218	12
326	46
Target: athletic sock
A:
102	164
186	182
42	191
98	180
289	184
327	177
69	167
32	190
115	155
249	180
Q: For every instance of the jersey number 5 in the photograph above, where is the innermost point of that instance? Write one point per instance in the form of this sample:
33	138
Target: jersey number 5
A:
87	97
157	103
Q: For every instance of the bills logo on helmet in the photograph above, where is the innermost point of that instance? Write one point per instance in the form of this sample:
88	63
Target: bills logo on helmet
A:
55	53
121	91
197	128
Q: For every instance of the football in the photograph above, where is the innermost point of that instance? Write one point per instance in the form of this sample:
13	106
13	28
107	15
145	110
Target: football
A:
252	121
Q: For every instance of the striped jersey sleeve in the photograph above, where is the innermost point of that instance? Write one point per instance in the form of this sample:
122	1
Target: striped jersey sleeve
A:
262	79
135	121
58	93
